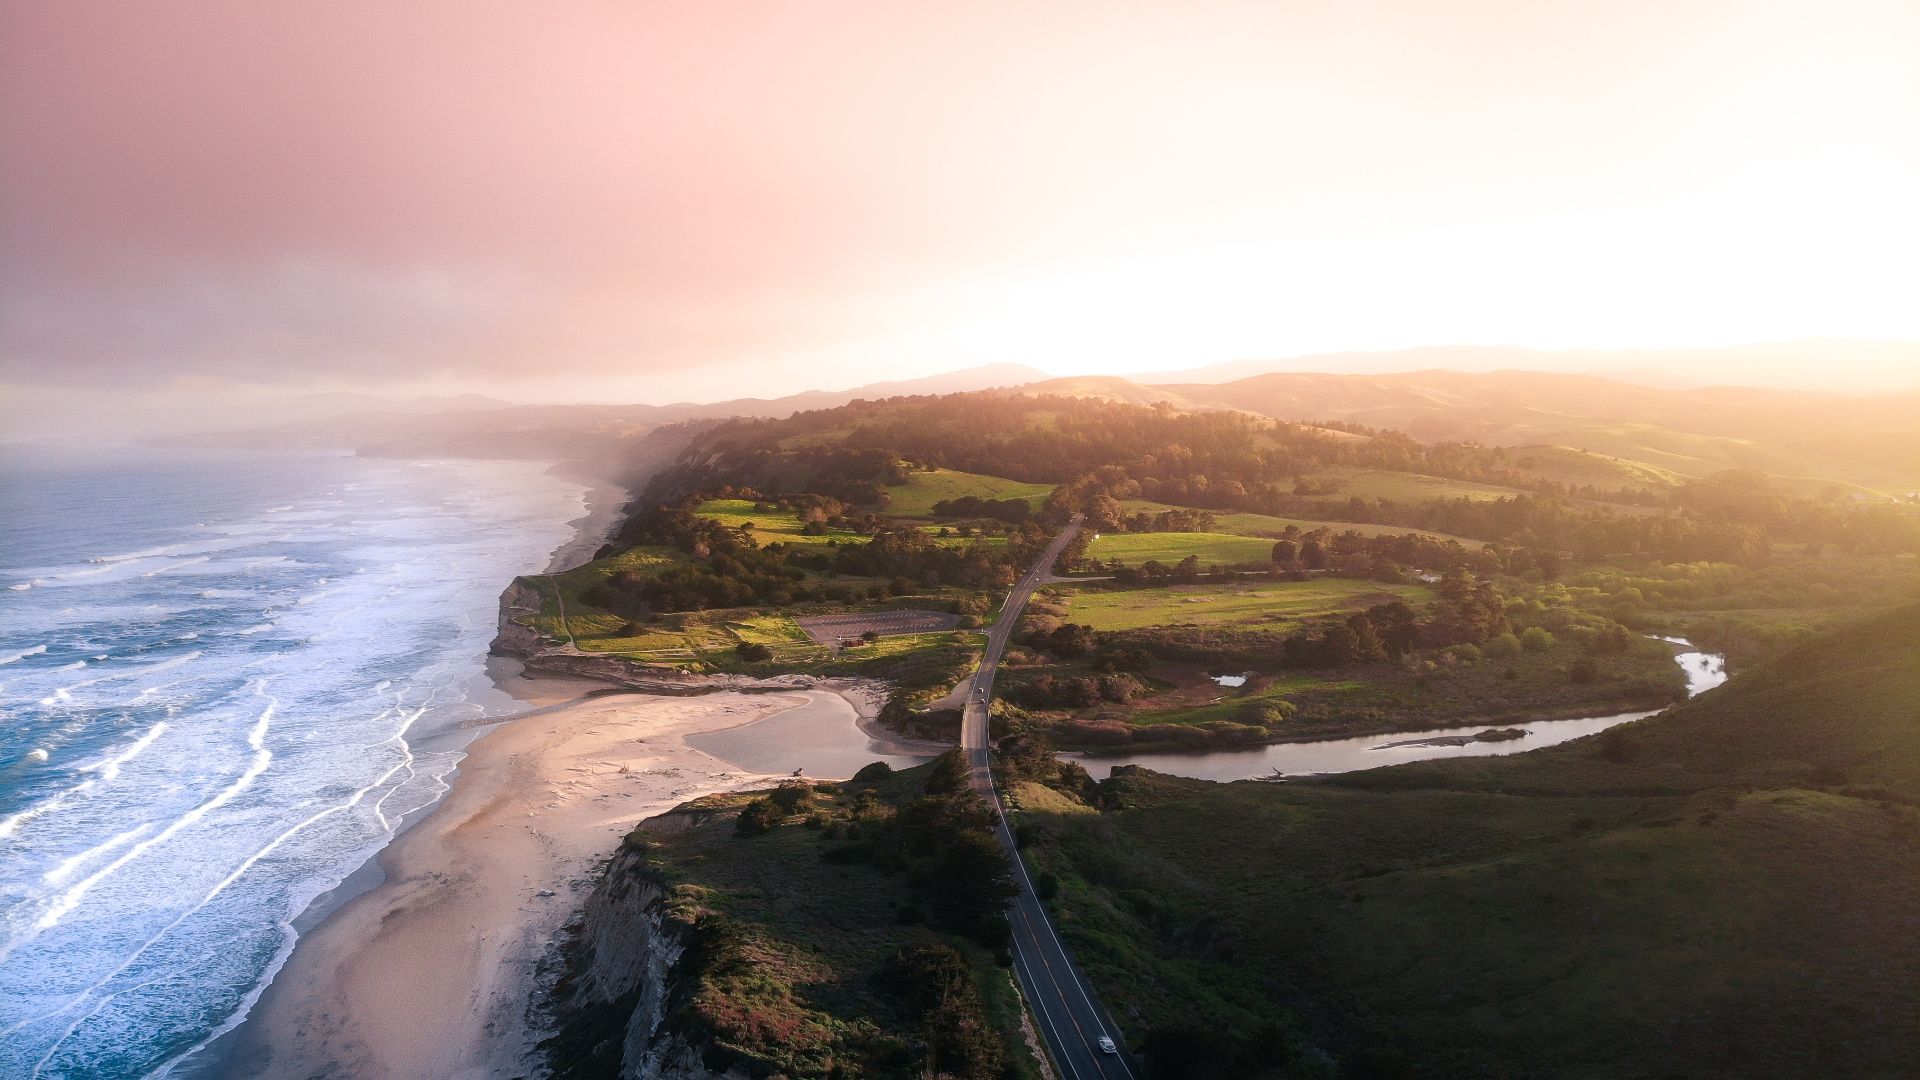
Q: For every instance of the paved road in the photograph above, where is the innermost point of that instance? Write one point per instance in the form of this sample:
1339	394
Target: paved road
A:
1069	1018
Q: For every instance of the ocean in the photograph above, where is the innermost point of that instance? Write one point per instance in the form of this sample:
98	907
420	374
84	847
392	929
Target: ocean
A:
226	679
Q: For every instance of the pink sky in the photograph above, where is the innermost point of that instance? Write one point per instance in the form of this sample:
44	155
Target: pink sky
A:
670	201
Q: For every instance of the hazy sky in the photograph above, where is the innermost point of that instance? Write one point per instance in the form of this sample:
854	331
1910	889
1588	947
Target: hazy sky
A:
702	200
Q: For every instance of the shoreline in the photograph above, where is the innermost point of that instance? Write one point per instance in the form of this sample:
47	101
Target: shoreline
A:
240	1045
592	529
431	968
432	971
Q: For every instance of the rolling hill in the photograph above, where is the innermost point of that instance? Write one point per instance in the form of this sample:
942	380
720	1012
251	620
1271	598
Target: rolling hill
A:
1725	890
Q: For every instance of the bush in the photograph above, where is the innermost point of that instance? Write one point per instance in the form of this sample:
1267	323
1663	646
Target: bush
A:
760	816
1583	671
873	774
1266	712
1047	885
753	651
1502	645
1536	639
793	796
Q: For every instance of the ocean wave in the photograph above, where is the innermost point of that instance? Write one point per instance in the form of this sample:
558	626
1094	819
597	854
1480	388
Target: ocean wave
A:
221	886
131	673
262	757
195	561
72	863
33	650
257	628
107	769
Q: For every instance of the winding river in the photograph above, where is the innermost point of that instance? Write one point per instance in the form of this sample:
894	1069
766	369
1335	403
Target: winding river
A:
823	737
1275	760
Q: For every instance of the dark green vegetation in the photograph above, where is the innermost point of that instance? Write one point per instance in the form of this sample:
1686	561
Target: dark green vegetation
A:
1322	656
1726	890
832	930
1303	555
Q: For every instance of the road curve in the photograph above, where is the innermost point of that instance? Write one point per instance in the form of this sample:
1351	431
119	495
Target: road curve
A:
1070	1019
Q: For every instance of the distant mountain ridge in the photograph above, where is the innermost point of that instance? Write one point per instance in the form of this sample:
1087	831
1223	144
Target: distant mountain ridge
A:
1802	435
1847	365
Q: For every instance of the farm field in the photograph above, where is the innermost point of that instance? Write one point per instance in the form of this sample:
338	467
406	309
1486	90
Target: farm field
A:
1171	547
1269	525
1274	605
916	497
1408	487
769	527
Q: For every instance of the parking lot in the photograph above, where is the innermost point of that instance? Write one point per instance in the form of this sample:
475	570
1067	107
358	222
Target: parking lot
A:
831	629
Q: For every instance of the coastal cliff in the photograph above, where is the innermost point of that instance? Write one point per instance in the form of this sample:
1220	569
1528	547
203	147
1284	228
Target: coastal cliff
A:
617	1007
542	657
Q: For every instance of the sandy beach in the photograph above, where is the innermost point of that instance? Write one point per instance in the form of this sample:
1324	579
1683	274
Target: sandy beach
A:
430	973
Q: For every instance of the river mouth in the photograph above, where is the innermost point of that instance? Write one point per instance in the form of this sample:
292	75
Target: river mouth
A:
820	737
1293	760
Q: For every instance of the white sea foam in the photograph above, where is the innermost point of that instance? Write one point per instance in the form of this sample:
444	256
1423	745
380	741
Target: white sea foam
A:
183	563
106	769
239	833
109	768
15	657
262	757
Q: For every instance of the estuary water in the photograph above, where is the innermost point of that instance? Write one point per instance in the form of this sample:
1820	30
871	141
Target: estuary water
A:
226	679
1704	671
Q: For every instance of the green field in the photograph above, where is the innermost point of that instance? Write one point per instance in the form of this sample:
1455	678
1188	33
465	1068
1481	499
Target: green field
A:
916	497
1271	526
769	526
1211	548
1273	605
1407	487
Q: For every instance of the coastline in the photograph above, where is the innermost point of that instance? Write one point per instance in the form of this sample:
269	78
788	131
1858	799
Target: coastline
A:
245	1046
432	969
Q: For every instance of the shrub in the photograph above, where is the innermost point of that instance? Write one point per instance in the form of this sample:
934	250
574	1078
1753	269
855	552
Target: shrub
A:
760	816
1536	639
1503	645
1266	712
1047	885
793	796
874	773
753	651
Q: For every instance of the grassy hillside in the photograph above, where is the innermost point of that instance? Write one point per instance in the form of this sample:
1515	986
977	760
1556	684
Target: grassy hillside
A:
1726	890
915	498
809	912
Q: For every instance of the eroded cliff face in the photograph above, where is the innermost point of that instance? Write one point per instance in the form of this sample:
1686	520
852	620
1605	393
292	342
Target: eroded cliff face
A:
613	1010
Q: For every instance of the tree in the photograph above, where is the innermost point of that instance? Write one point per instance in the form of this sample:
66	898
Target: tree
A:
1536	639
1285	552
1314	555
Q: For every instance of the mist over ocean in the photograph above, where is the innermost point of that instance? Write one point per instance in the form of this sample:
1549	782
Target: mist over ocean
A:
225	678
